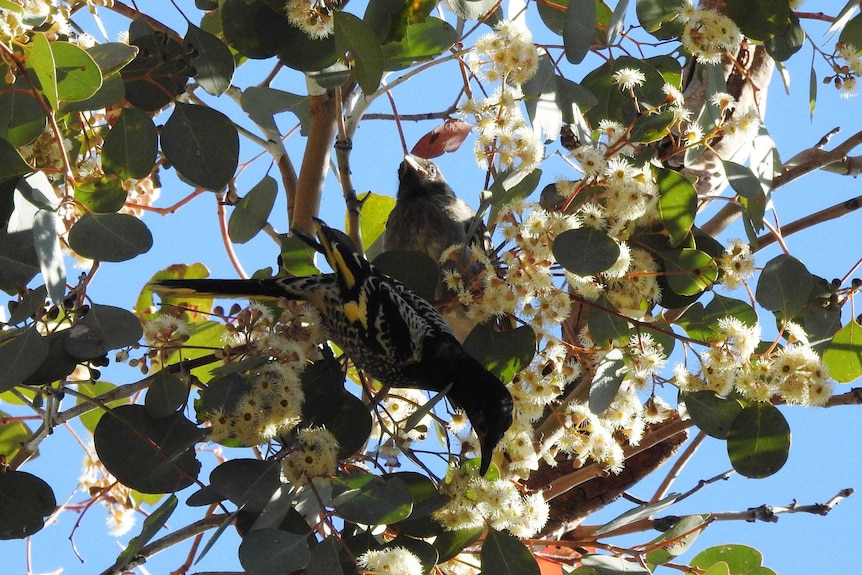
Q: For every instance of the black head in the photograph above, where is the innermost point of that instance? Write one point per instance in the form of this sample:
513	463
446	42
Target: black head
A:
417	176
487	403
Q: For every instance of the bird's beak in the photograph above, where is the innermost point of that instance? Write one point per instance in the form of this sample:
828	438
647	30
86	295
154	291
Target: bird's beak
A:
411	161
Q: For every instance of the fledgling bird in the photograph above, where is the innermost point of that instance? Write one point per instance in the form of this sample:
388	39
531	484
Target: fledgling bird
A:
428	216
385	329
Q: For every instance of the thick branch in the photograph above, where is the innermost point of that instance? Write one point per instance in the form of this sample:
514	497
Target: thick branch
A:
315	162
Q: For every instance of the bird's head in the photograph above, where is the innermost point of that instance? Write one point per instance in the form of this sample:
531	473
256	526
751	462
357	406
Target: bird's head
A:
487	403
418	176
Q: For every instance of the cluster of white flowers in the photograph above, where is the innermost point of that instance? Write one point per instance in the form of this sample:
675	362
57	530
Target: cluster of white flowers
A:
475	500
314	17
846	74
315	455
737	263
795	373
390	561
708	34
508	56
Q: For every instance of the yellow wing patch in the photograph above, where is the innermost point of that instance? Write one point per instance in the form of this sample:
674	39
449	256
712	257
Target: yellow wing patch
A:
357	311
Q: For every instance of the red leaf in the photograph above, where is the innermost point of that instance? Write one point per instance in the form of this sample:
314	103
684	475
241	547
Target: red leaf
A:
442	139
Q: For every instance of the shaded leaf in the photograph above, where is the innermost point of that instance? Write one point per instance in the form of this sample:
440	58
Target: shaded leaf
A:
95	389
784	285
247	483
273	552
579	31
25	502
152	524
212	60
160	70
451	543
355	37
638	513
742	179
166	395
110	237
377	502
104	328
202	144
758	442
421	41
503	352
251	213
414	269
148	454
585	251
21	356
504	554
130	147
714	415
47	228
689	271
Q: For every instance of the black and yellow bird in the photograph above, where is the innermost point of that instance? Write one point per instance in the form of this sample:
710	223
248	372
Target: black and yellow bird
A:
385	329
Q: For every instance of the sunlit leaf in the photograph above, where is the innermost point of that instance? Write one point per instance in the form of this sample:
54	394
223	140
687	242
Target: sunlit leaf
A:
355	37
677	203
843	356
784	285
608	377
712	414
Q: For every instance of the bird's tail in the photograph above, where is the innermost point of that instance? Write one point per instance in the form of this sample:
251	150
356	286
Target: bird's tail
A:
291	288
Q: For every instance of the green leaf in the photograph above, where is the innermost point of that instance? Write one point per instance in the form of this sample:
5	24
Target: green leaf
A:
78	75
617	20
512	185
21	122
355	37
659	17
103	195
12	165
375	212
652	127
637	513
742	180
14	434
702	323
689	271
585	251
166	394
21	356
677	204
812	92
611	565
503	352
202	144
679	539
252	211
160	70
379	501
606	327
504	554
329	558
843	356
579	32
789	41
27	501
247	483
152	525
610	373
712	414
40	58
110	237
147	454
262	104
760	19
422	41
31	301
784	285
95	389
739	559
211	58
758	441
613	103
414	269
130	147
351	426
111	57
450	543
273	552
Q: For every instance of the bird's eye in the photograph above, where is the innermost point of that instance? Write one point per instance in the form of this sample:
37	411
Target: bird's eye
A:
432	170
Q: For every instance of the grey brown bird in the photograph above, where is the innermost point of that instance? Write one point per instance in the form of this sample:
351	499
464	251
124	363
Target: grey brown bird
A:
385	329
428	216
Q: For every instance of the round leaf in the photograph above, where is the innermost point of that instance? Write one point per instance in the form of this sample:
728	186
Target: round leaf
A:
130	146
166	394
504	554
503	352
351	427
758	442
159	72
784	285
844	354
148	454
104	328
252	211
78	76
20	357
202	144
25	501
585	251
689	271
110	237
355	37
378	502
104	195
273	552
248	483
211	59
712	414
